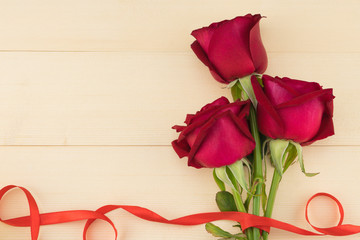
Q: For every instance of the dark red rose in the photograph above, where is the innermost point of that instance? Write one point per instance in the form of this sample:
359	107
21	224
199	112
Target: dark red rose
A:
293	109
232	48
215	136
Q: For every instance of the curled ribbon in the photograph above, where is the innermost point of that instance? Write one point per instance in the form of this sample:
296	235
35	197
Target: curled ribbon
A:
35	219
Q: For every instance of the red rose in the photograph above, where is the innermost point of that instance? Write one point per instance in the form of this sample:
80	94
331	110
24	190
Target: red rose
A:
232	48
216	136
293	109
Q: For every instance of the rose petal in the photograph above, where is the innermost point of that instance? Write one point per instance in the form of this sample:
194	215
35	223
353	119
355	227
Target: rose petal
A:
269	121
327	125
191	129
300	86
326	130
242	123
229	49
304	108
329	109
218	142
190	133
218	102
204	35
212	110
303	98
280	90
181	148
217	116
178	128
277	91
257	49
188	118
303	121
304	115
199	52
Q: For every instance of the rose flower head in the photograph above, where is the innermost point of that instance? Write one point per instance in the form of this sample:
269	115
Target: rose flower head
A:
293	109
215	136
231	49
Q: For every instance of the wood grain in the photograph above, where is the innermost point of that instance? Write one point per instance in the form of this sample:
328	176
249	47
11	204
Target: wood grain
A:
135	98
63	178
89	91
161	25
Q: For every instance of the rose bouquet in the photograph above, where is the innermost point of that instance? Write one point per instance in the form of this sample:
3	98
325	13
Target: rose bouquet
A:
270	118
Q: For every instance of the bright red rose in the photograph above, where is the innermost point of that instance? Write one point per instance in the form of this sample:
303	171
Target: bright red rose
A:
215	136
293	109
231	49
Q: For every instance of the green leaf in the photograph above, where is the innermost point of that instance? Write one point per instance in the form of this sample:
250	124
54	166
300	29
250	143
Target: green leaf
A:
219	182
237	225
217	231
240	236
225	201
277	151
301	161
247	201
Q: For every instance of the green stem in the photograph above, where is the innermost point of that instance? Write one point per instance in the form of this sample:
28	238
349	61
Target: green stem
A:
238	201
241	208
271	200
258	172
237	91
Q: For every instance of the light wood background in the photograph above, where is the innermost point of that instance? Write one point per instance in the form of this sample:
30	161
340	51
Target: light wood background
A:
89	90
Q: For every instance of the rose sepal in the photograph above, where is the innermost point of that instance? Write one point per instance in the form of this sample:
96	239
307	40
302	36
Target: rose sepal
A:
234	175
283	153
218	181
278	149
300	159
242	89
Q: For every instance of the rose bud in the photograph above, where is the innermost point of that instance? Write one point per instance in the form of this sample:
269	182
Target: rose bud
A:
293	109
231	49
215	136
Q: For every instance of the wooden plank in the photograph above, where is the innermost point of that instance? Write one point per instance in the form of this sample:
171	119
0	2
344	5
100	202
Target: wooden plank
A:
63	178
143	25
134	99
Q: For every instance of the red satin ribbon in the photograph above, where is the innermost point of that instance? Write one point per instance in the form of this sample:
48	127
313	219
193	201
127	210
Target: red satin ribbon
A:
35	219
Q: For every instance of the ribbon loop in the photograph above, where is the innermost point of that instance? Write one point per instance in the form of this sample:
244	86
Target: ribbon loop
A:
34	212
35	219
321	194
339	229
